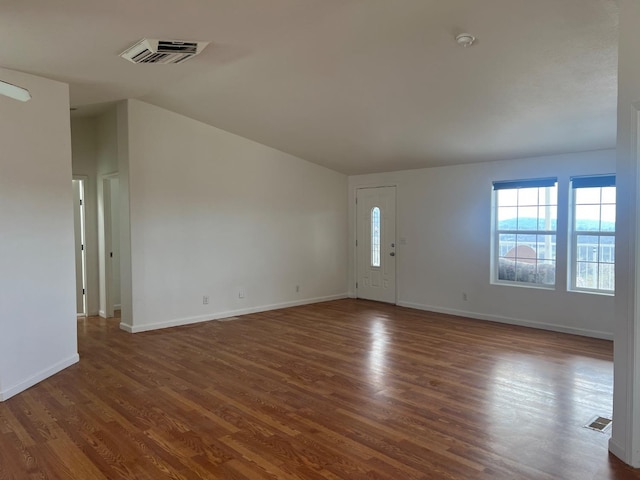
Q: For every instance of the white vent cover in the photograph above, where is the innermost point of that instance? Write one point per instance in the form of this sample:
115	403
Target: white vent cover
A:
162	51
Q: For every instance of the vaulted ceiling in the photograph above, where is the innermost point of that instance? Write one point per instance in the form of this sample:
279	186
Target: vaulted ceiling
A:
356	85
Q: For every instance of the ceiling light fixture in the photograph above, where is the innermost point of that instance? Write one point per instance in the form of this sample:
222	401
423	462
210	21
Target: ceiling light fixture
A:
13	91
465	40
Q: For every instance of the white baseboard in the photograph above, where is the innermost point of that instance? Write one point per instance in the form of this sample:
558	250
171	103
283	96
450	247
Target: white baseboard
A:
511	321
221	315
117	307
102	313
38	377
616	449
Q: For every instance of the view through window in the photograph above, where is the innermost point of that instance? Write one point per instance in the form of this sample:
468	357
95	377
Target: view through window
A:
375	237
525	228
593	234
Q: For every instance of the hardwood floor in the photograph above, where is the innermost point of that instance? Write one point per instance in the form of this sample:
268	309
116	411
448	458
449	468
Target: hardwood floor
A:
340	390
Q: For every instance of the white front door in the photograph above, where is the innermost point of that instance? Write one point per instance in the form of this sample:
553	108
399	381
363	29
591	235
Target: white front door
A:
376	243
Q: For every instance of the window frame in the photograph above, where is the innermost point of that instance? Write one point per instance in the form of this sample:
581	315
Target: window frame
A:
496	232
590	181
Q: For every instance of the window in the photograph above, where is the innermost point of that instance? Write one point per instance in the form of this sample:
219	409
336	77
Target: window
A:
375	237
593	230
524	243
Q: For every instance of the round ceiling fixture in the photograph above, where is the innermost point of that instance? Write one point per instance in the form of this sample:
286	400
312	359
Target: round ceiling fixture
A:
465	40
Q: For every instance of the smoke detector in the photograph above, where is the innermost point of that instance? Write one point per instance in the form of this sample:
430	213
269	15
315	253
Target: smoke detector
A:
465	40
162	51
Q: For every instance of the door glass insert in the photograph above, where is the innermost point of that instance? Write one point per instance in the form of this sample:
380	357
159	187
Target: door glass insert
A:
375	237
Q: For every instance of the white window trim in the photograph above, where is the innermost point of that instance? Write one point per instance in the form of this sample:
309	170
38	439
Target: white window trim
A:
573	263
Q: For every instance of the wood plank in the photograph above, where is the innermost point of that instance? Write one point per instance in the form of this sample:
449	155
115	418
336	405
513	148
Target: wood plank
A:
345	389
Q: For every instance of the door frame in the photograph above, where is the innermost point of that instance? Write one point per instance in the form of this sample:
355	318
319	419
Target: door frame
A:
106	243
83	239
355	234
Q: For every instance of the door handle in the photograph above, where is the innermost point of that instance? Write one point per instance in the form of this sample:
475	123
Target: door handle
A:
393	254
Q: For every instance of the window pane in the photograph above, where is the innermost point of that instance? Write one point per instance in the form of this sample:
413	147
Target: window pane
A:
547	217
527	218
588	196
507	198
528	196
586	275
549	195
606	277
526	271
545	247
546	272
587	248
609	195
507	218
375	237
526	245
587	217
505	243
506	269
608	223
608	249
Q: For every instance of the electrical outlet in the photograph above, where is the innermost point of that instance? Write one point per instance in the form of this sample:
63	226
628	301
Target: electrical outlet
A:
297	288
205	300
241	293
464	296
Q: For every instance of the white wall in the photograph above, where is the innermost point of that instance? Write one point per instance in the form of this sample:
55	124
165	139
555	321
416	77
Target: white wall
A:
625	436
37	274
444	214
213	213
84	151
107	142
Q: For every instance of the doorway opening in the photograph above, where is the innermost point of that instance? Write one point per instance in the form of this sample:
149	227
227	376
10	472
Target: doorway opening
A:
110	247
79	226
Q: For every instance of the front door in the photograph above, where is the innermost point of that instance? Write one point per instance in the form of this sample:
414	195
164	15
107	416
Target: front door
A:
376	243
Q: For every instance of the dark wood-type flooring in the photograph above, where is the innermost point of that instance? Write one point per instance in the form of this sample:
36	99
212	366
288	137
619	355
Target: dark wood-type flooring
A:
340	390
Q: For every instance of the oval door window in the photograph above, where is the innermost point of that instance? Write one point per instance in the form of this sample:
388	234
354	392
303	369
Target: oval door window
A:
375	237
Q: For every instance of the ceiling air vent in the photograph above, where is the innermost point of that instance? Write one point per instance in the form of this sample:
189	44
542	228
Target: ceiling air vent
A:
162	51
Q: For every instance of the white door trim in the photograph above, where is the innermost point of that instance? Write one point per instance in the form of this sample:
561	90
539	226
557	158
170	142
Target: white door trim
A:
105	243
625	441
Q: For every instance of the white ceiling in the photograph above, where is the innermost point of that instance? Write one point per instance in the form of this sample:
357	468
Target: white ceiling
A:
356	85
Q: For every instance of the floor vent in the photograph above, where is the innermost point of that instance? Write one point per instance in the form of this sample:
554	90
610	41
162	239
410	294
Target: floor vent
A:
600	424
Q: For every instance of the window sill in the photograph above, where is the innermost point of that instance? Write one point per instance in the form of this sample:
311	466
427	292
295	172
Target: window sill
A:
535	286
591	292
